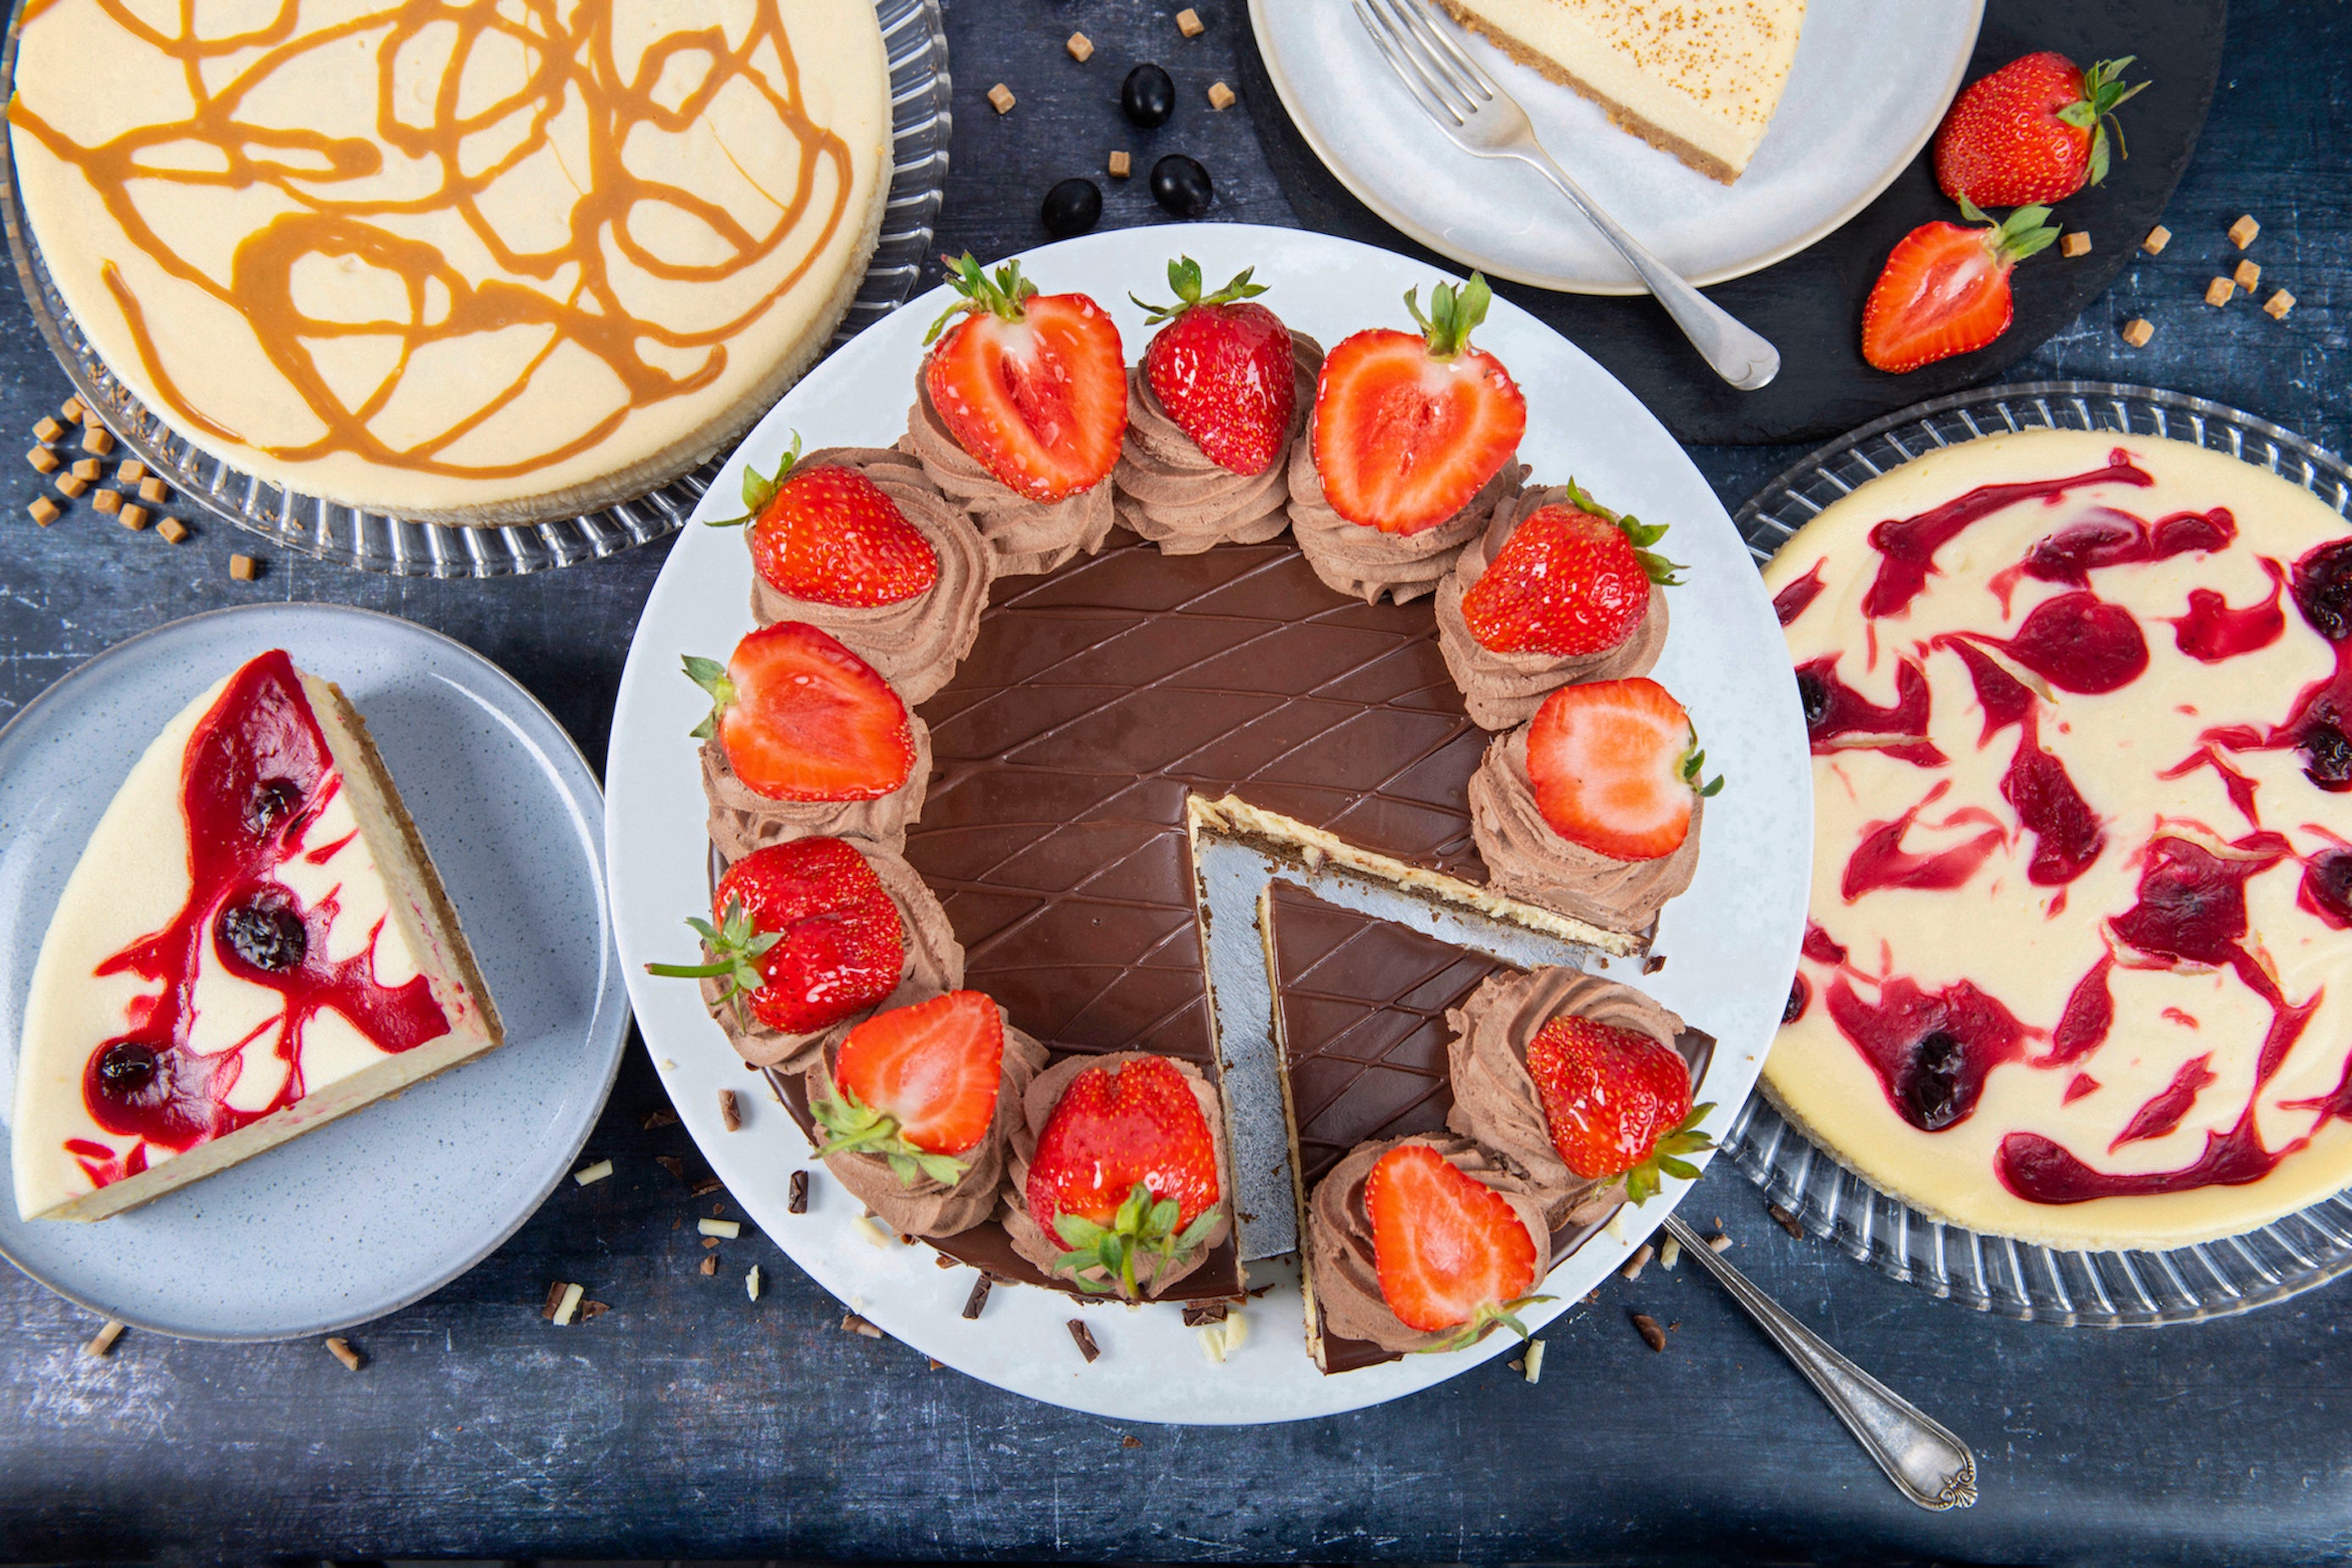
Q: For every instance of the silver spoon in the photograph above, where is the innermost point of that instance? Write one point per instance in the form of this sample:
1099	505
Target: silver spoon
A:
1921	1457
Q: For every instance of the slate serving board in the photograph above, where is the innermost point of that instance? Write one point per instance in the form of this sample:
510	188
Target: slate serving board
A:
1811	304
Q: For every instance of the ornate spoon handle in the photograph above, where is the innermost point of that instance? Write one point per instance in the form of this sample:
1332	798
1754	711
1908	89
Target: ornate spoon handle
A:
1921	1457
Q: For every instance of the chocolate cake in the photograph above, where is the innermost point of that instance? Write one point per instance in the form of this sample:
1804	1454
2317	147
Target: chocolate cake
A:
1361	1005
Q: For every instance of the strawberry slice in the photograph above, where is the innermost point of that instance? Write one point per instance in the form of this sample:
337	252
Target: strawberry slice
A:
803	932
802	717
1408	428
1032	386
1615	766
1570	580
1223	369
1450	1252
1125	1166
917	1086
829	535
1618	1103
2036	131
1945	287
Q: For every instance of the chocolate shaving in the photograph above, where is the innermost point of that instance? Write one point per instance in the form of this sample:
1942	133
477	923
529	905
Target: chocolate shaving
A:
730	1113
710	1264
852	1323
1130	1441
341	1349
659	1119
944	1260
798	1202
978	1297
1638	1261
1085	1338
1204	1314
672	1163
1654	962
936	1364
554	1299
1785	1220
593	1310
705	1188
1647	1327
708	1242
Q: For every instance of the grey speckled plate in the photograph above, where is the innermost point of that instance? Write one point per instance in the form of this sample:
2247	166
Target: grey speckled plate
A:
370	1213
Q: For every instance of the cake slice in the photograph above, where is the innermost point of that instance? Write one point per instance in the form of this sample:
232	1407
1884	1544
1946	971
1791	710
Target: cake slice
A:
254	943
1698	78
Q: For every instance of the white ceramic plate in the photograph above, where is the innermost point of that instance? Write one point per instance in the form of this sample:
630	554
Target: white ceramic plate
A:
1731	939
368	1213
1869	83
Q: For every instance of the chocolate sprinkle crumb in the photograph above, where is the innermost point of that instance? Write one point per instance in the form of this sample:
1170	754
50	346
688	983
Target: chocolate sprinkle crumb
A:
798	1202
851	1323
593	1309
554	1299
659	1119
710	1264
1208	1313
944	1260
1785	1220
1652	963
936	1364
730	1113
1647	1327
705	1188
978	1297
672	1163
1130	1441
1085	1338
708	1242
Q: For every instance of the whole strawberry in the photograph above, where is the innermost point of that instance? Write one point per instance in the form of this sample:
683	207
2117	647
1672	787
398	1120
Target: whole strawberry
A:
2034	131
1945	287
1572	579
1222	368
1618	1103
803	931
1125	1166
828	534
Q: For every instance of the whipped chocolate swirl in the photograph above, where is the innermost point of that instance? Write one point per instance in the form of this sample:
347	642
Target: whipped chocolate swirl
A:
742	819
1029	1238
1500	690
915	643
1526	860
1173	493
1027	536
933	963
1494	1099
1363	562
928	1207
1345	1273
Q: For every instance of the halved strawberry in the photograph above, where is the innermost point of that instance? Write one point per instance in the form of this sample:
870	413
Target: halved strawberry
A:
803	931
1570	580
1125	1164
1450	1252
1618	1103
1033	386
802	717
829	535
917	1086
2035	131
1615	766
1945	287
1223	369
1408	427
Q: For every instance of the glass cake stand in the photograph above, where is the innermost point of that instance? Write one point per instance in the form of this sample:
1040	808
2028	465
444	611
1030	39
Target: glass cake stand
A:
1996	1274
916	39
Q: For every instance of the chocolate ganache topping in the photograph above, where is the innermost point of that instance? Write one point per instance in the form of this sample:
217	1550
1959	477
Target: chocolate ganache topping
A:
1172	492
1494	1099
1500	690
916	642
1029	1238
1027	536
1346	1274
933	963
1365	562
742	819
929	1207
1525	859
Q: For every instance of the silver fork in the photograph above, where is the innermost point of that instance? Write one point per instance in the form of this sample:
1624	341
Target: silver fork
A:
1484	120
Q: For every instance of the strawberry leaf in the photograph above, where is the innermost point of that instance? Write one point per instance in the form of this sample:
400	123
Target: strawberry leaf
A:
1185	278
1002	294
735	947
858	1128
711	676
1643	1183
1454	314
1486	1317
759	489
1142	1223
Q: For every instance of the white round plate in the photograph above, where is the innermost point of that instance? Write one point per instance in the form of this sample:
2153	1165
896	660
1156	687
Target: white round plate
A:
372	1212
1731	940
1869	83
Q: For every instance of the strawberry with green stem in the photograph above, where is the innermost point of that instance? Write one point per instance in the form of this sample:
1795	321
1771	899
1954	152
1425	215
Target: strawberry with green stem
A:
1945	287
826	533
801	717
1124	1167
1618	1103
1032	386
2034	131
1615	766
1452	1255
1572	580
917	1087
1221	367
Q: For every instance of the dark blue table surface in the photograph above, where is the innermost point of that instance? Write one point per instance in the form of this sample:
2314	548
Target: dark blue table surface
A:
690	1422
